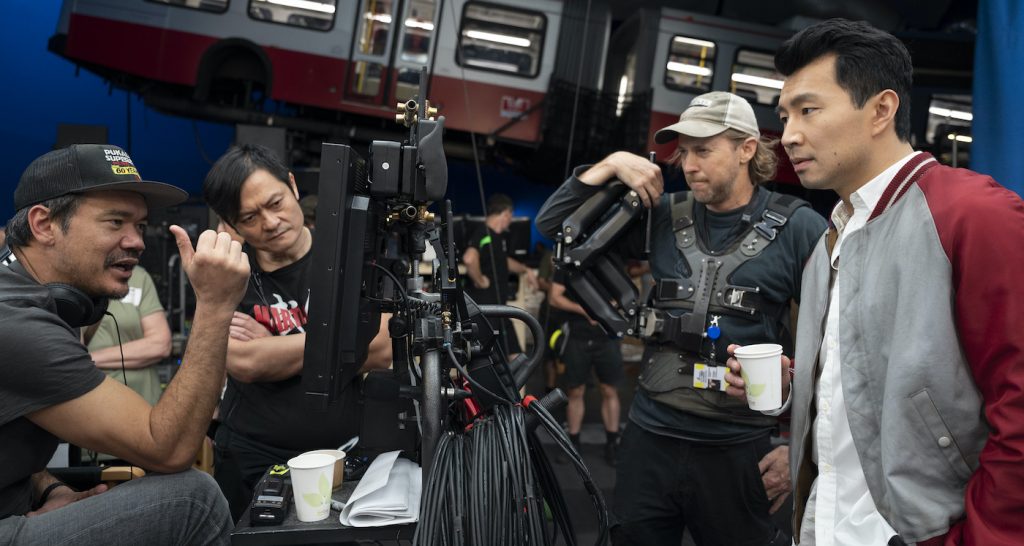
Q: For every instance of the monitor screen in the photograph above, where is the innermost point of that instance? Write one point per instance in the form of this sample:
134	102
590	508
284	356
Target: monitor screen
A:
343	246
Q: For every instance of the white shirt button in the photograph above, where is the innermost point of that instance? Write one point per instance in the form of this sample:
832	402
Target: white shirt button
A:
944	441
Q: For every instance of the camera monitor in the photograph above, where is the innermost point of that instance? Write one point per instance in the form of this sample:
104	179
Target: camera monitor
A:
341	320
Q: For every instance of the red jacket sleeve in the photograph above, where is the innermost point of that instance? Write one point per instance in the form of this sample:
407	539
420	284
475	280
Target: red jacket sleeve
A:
981	227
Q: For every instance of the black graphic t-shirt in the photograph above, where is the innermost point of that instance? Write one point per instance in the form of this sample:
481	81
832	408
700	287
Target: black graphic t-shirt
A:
278	413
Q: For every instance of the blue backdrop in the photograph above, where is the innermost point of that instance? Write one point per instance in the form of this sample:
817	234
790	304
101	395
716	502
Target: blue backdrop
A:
998	125
43	90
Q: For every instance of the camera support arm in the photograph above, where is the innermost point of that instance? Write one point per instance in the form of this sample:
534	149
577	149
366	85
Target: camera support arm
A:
597	278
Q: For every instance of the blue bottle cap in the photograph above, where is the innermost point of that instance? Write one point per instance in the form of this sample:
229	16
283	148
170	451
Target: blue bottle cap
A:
714	332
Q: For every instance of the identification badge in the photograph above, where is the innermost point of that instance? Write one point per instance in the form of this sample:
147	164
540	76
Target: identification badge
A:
709	377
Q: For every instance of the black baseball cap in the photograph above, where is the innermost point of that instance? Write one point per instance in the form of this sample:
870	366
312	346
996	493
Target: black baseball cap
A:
82	168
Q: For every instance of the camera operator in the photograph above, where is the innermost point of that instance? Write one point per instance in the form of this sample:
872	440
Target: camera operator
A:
264	420
690	457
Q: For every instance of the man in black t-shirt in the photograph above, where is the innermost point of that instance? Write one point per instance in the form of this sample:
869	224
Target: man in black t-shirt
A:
73	242
488	264
264	417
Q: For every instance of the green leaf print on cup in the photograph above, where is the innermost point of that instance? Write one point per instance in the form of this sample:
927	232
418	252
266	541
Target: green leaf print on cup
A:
316	500
752	390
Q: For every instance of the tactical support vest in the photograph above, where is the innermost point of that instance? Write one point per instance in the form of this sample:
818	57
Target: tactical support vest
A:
668	372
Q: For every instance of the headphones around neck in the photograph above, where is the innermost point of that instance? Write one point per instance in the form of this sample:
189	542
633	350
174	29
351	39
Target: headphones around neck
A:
74	306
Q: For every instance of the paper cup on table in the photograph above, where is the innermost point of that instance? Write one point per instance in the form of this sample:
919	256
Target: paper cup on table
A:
762	375
311	483
339	464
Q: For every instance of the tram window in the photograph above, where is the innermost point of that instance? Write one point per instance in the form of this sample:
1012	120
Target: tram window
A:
501	39
690	65
953	113
418	29
374	28
311	14
949	129
216	6
754	77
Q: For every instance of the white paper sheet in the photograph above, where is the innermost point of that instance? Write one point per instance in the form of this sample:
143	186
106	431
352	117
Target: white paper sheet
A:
388	494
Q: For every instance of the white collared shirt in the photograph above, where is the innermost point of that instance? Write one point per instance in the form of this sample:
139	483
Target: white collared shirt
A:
840	510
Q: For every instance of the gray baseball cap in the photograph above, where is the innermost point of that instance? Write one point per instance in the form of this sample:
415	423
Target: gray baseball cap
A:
710	114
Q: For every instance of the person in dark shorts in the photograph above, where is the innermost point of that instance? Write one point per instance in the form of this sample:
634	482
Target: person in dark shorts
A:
588	347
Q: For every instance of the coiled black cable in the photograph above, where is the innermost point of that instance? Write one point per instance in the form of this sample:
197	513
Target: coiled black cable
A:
483	487
562	440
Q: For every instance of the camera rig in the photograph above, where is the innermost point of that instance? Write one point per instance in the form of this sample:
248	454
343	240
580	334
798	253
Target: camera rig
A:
676	311
452	398
593	274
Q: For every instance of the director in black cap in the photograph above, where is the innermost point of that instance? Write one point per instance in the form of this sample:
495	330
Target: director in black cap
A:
76	235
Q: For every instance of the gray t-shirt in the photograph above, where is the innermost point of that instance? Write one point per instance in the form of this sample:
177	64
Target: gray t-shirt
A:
43	363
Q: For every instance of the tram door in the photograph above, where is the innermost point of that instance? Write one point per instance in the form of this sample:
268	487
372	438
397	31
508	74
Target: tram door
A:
393	40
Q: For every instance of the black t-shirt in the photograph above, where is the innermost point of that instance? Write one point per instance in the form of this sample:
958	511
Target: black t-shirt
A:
578	324
278	413
490	244
43	364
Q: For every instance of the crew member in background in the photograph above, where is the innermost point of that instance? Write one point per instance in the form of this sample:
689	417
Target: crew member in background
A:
588	347
137	329
692	457
264	414
488	265
551	319
128	343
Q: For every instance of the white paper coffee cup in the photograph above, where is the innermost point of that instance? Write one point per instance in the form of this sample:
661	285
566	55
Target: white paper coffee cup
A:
339	464
312	476
762	375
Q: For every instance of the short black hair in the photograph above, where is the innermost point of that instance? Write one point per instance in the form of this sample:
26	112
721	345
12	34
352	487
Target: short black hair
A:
498	203
62	208
868	61
222	189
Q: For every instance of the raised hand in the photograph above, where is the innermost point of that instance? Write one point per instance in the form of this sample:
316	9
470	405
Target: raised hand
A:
217	268
636	172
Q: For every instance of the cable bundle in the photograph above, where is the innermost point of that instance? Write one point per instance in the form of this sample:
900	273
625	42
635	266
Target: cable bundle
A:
488	486
442	511
562	440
